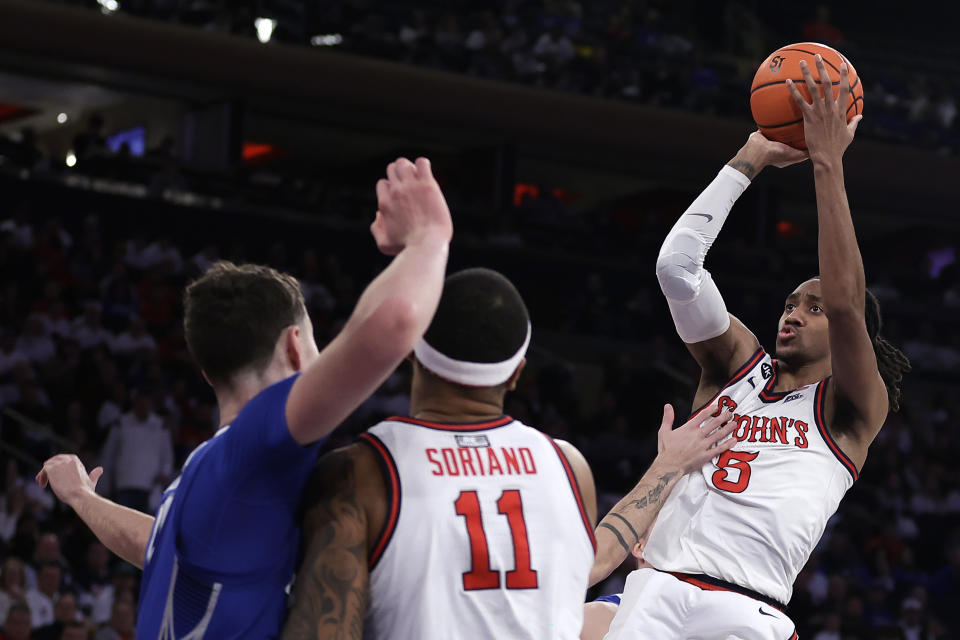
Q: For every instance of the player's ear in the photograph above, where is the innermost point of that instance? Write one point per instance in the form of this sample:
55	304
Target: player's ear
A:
512	380
292	347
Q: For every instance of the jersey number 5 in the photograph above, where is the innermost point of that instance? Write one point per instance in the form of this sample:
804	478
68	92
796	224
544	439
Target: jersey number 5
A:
739	460
481	576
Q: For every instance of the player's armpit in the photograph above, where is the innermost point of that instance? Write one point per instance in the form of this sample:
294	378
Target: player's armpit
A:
720	357
330	592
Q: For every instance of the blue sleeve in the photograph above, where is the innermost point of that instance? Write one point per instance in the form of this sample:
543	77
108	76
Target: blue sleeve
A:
244	490
257	454
614	598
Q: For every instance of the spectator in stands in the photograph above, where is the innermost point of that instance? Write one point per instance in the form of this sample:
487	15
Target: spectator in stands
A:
119	297
42	598
45	551
112	408
911	619
135	341
121	625
35	343
138	455
93	576
10	355
88	331
64	613
17	624
414	31
13	588
74	630
121	589
164	252
19	228
554	48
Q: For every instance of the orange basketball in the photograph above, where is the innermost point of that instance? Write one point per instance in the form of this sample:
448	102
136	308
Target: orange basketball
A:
776	114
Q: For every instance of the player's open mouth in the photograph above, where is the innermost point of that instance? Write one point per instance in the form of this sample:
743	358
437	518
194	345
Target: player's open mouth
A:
787	333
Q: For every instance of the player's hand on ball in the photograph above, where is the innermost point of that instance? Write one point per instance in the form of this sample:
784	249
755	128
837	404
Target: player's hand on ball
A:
68	478
775	154
689	447
410	207
825	126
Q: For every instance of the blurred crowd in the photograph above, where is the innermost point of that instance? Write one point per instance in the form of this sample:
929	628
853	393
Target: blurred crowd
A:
683	55
92	360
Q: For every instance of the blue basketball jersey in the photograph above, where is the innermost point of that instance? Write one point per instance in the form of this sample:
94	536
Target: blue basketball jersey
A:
223	547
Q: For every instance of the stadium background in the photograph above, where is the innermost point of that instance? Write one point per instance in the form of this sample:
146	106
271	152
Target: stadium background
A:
140	140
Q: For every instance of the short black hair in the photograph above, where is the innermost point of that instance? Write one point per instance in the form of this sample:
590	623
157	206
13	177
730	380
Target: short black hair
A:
233	316
481	318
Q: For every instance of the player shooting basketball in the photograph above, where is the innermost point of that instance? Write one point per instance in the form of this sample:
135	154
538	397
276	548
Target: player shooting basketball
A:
730	541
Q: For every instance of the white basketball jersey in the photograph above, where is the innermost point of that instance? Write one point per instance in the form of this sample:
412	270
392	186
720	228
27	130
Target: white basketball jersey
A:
754	514
486	535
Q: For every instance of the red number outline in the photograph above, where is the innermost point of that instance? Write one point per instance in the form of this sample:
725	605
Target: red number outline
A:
739	460
481	576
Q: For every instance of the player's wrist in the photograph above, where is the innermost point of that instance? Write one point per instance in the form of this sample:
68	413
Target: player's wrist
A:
825	162
78	498
668	465
433	237
750	160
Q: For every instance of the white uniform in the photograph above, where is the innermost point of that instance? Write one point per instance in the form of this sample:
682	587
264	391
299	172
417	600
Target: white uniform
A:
749	521
486	536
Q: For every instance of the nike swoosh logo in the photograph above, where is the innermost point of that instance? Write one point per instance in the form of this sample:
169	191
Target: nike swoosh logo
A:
765	613
705	215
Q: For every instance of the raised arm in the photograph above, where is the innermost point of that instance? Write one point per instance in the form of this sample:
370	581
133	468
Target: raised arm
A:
680	451
719	342
413	223
124	531
345	507
856	382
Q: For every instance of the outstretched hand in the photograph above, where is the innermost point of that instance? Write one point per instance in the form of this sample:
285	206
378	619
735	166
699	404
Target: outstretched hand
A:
410	207
690	446
825	126
68	478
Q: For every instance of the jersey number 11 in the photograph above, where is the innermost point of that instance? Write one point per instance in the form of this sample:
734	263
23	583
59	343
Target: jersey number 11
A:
481	576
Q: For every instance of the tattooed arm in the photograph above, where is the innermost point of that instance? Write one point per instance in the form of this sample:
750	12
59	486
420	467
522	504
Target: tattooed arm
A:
345	507
681	451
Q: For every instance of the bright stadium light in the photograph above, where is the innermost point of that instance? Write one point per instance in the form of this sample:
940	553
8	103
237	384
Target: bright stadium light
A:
328	40
264	27
108	6
61	118
71	159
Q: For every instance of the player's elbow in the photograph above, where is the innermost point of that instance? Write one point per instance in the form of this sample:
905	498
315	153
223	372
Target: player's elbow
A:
677	277
680	265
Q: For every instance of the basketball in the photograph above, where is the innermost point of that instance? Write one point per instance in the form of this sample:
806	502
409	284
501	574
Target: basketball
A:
773	108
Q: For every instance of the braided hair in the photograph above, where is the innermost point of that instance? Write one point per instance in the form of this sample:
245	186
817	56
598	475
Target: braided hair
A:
891	362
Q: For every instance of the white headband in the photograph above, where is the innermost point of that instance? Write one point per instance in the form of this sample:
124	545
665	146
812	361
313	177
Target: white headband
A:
471	374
